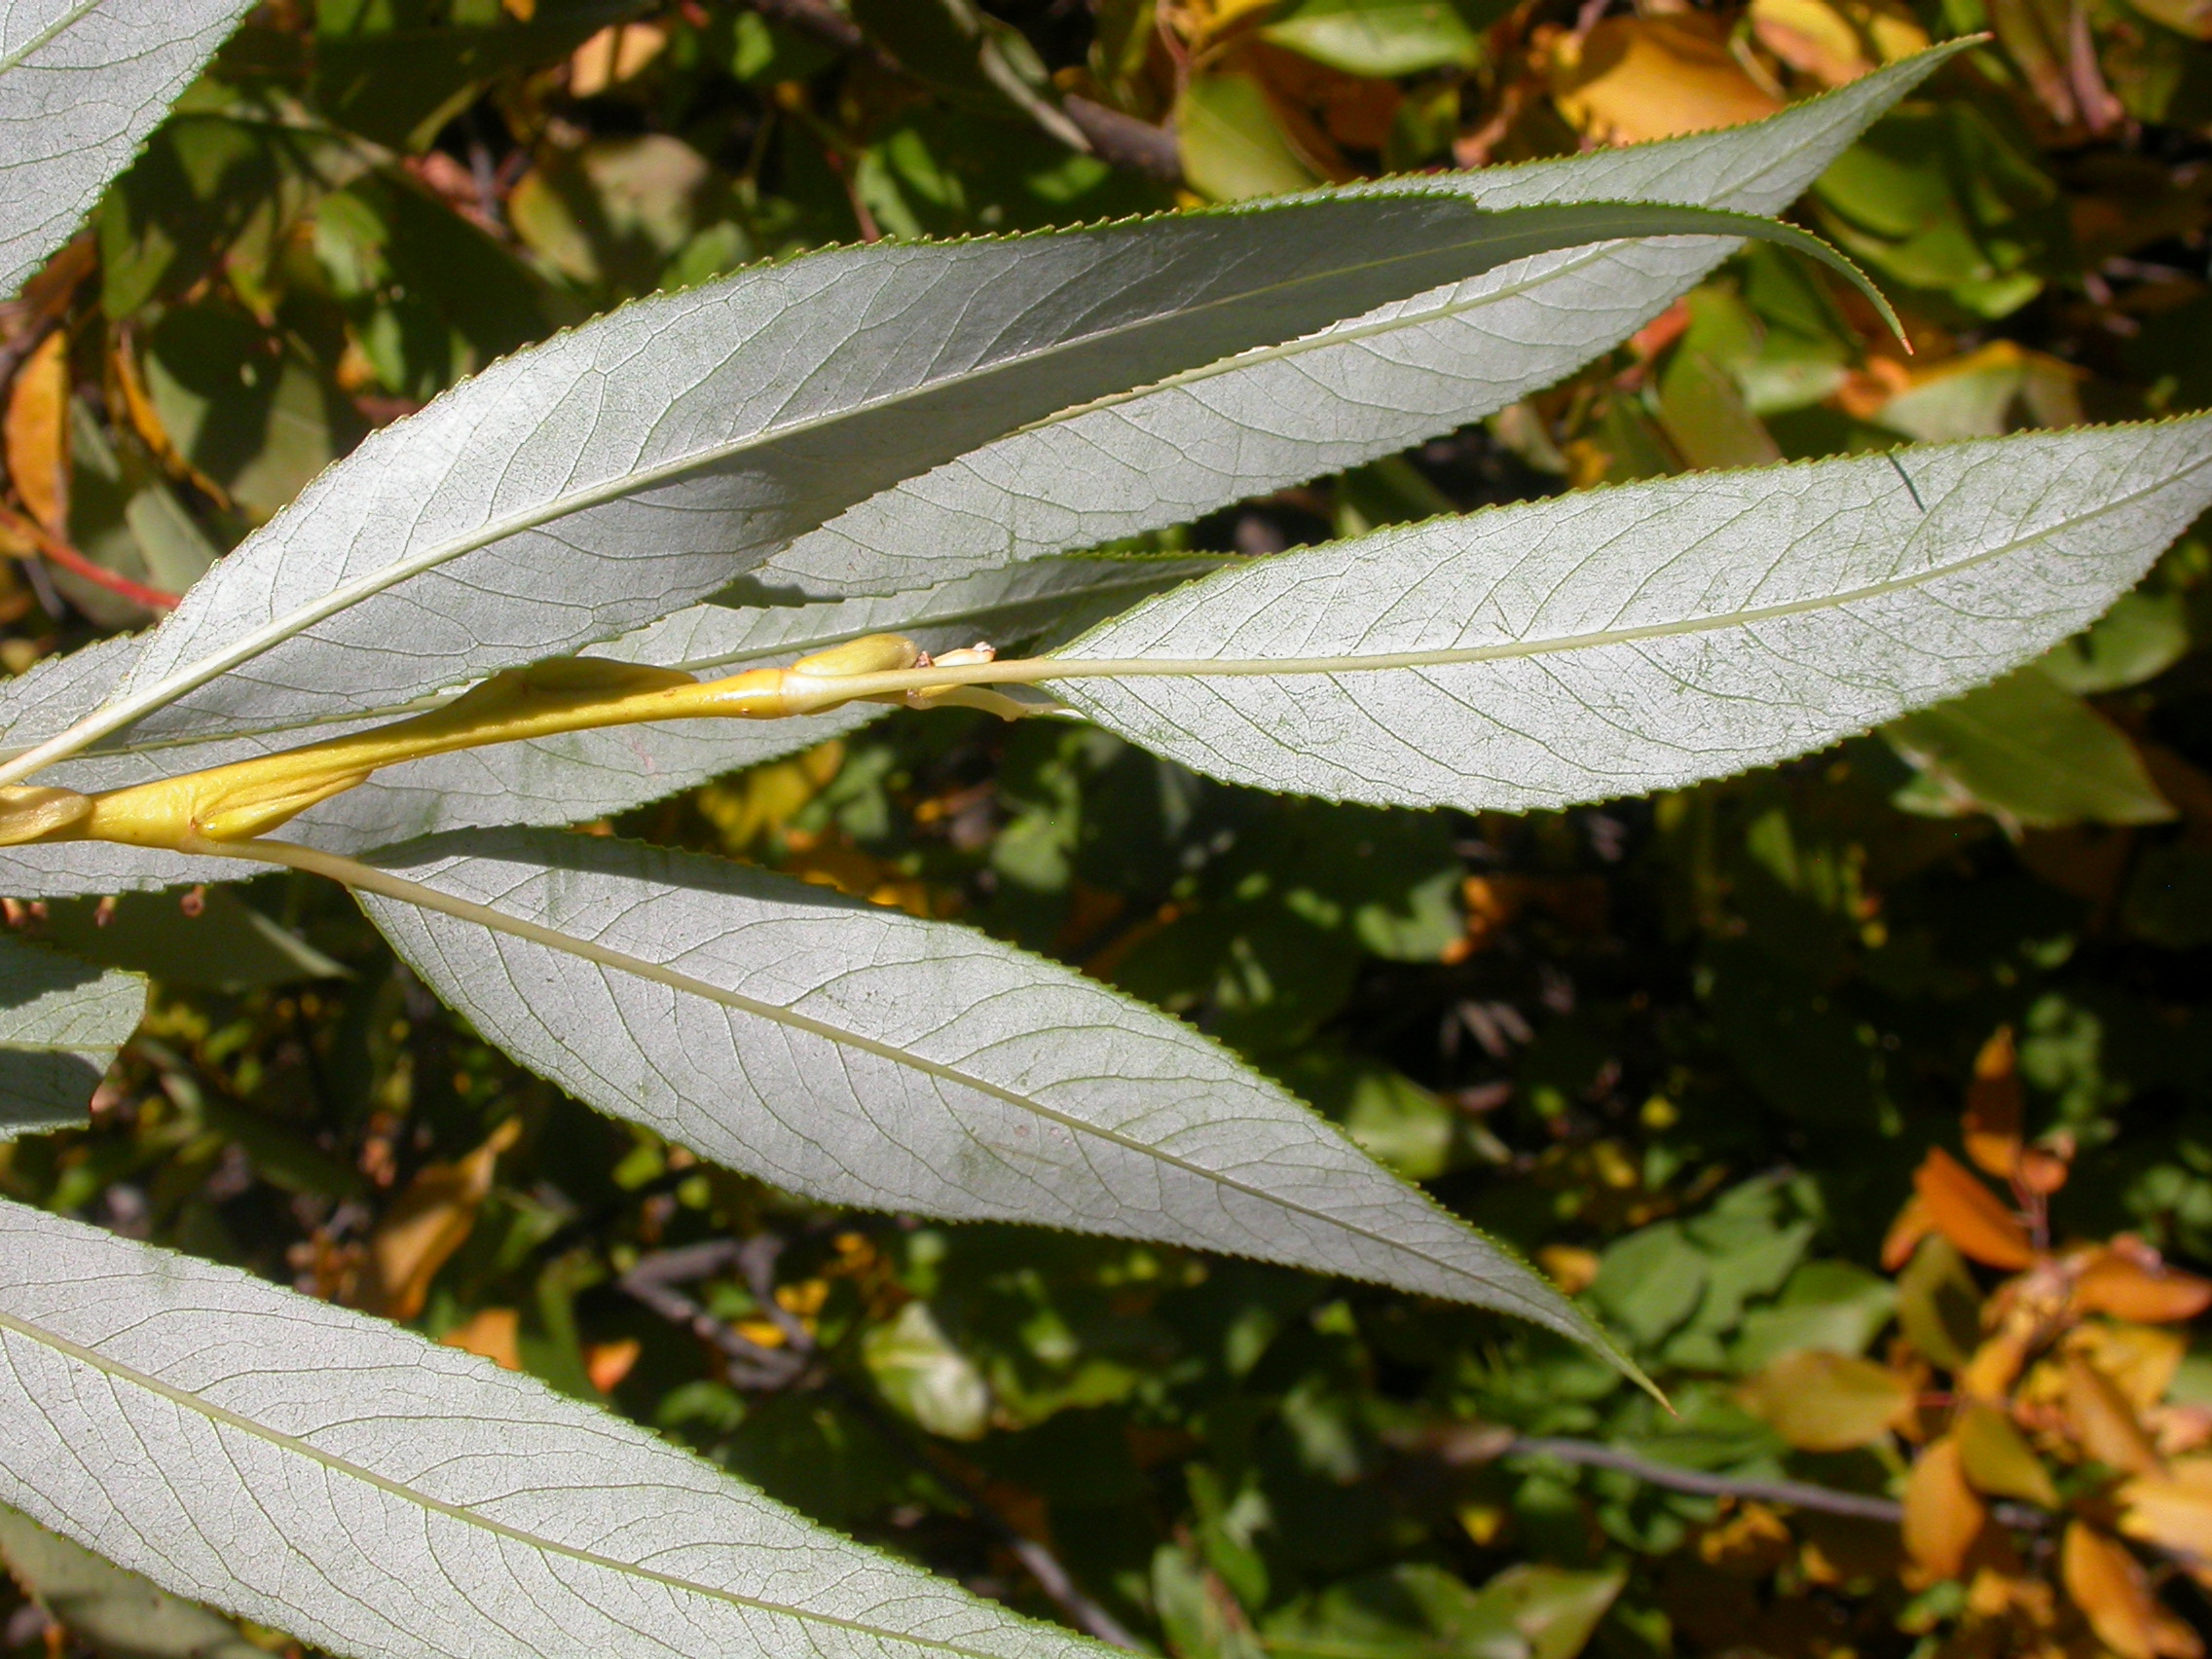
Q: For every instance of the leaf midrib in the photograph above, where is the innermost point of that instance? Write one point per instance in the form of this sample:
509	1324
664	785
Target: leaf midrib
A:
61	26
118	1371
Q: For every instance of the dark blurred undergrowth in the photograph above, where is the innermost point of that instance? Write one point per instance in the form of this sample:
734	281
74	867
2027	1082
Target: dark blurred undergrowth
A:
1688	1054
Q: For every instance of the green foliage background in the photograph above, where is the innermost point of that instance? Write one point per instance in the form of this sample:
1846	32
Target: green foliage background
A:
1697	1043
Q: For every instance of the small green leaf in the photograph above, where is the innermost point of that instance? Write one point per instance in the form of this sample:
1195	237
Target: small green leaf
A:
2139	638
114	1612
1232	146
61	1022
1378	38
921	1373
2030	754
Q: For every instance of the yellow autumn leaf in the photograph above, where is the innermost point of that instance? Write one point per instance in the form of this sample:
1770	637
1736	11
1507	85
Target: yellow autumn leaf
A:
1632	79
494	1333
430	1222
2173	1510
1944	1516
2109	1585
36	433
2104	1420
1820	1401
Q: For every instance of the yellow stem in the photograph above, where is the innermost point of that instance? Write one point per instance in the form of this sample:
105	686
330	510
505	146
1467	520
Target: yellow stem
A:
234	803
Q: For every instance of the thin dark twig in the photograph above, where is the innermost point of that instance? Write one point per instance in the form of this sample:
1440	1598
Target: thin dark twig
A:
1905	477
1795	1494
579	1229
826	24
653	1281
1118	139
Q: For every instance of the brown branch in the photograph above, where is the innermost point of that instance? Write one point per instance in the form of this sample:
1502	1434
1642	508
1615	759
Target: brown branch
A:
1120	140
1124	141
826	24
652	1282
1794	1495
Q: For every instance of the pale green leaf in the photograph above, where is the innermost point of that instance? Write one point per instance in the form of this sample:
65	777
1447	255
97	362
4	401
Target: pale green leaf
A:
635	465
82	82
60	1023
1616	642
1364	387
864	1056
374	1493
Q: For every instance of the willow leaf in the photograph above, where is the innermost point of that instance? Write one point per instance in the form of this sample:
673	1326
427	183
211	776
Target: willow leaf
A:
1363	387
375	1494
620	472
864	1056
1620	641
61	1022
82	82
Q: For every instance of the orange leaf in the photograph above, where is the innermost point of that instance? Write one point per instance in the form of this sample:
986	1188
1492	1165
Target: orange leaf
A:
1639	78
1990	1372
1914	1223
2104	1423
1994	1101
2042	1169
37	434
2141	1293
2108	1584
1943	1519
1811	38
613	55
2173	1510
608	1363
430	1222
2139	1360
1969	1215
491	1332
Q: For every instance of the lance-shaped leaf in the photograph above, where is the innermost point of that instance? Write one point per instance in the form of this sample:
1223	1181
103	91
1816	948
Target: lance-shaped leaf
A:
1364	387
560	780
1620	641
82	82
635	465
344	1479
864	1056
60	1023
